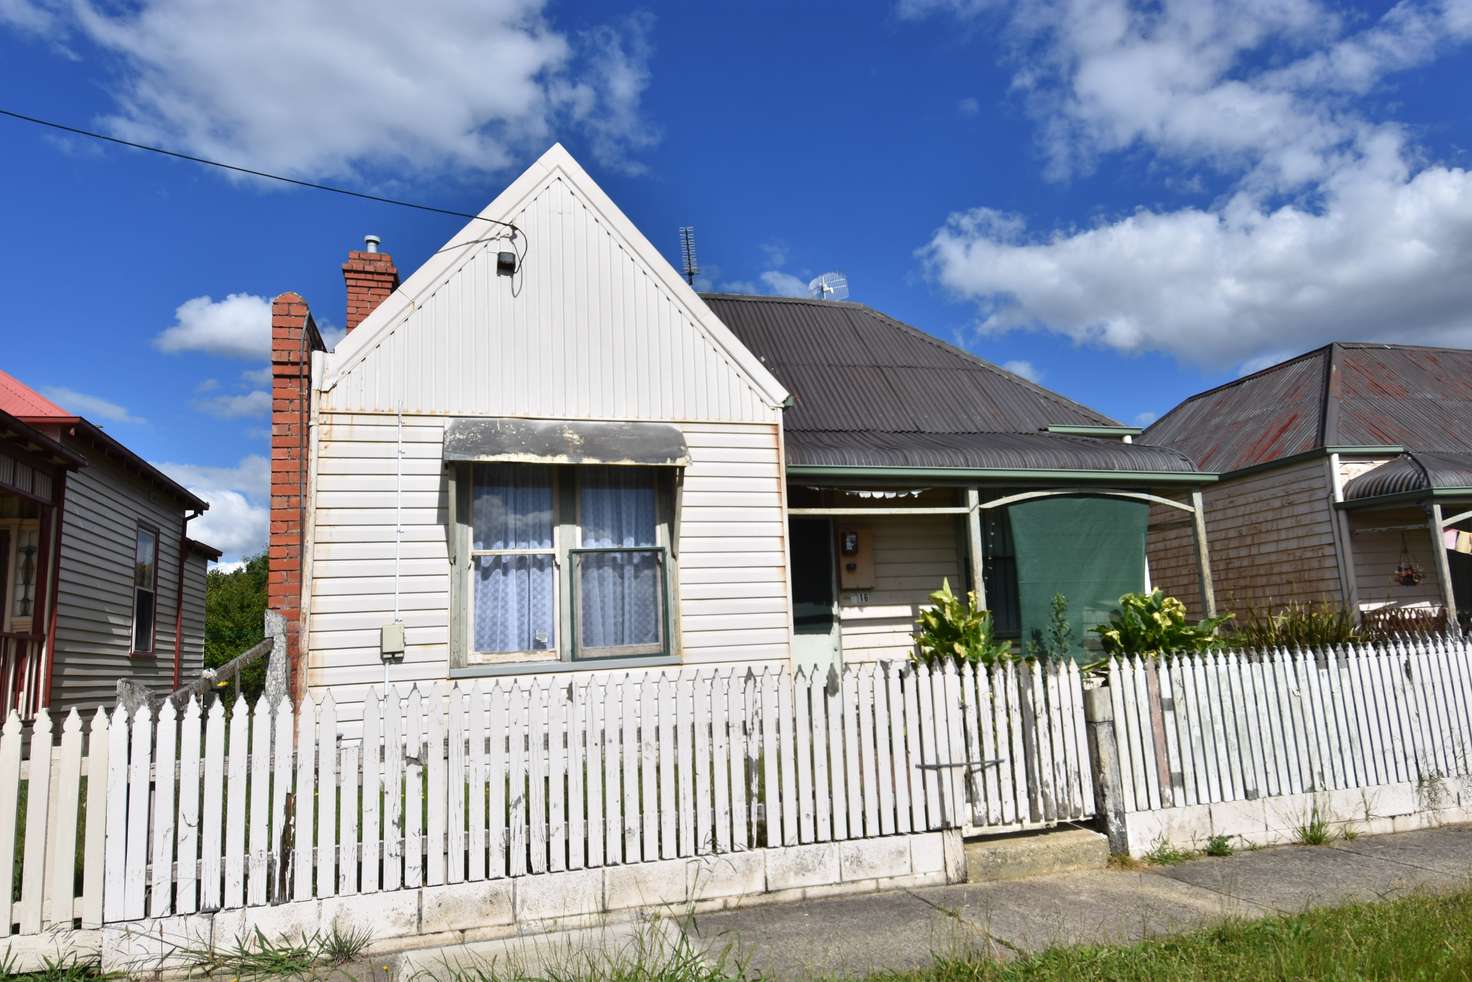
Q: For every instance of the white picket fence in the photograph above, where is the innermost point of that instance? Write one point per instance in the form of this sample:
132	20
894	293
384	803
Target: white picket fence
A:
1240	726
208	810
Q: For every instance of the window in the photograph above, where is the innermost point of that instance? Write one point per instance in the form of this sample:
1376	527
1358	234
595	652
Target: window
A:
564	563
999	571
618	570
145	590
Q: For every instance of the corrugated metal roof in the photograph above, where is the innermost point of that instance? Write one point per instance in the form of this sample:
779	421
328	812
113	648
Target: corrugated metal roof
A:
1341	395
1413	472
20	400
871	391
1006	451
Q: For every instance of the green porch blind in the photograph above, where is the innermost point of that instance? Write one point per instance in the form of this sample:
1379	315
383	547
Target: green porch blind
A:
1091	550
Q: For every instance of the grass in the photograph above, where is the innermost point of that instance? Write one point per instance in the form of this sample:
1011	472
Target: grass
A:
1418	937
64	968
255	956
646	957
1314	831
1165	854
1219	845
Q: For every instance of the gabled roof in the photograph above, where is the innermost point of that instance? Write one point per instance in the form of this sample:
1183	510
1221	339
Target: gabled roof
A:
32	408
556	163
1345	394
871	391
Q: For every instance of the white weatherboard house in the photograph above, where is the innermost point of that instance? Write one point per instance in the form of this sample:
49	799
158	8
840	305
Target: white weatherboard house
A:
543	452
524	460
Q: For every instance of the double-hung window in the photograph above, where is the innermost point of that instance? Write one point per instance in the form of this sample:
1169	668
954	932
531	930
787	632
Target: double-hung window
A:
145	590
562	563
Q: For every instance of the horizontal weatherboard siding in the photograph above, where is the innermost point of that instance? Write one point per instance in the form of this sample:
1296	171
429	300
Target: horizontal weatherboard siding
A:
731	590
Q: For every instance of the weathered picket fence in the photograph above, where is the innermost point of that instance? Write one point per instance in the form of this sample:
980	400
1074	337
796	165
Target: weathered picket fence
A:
1296	730
248	805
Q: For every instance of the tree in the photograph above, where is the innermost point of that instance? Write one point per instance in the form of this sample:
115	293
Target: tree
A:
234	619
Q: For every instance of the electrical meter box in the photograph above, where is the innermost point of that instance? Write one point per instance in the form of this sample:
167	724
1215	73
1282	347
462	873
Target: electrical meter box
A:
391	641
855	558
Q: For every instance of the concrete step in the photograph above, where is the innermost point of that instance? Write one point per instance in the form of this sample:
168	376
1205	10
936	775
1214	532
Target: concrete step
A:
1024	854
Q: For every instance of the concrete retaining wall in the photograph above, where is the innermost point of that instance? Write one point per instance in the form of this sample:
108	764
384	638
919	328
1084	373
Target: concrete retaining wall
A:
1399	807
527	905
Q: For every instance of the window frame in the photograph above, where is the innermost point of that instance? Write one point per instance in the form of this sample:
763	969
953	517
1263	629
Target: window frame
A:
152	650
567	543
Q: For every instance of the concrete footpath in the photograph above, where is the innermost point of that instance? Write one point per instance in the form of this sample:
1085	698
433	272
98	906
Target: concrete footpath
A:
907	929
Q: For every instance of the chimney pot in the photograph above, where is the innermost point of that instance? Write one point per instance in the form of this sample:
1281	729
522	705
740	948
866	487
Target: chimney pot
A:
370	243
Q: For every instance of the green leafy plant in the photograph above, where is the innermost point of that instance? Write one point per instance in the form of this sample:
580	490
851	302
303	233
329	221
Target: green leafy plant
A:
1218	845
1296	625
1057	640
954	629
1152	624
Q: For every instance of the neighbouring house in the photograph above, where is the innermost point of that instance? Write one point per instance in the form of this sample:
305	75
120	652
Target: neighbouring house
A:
1345	475
119	593
543	451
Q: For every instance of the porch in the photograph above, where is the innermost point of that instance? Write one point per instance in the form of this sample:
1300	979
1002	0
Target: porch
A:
1409	529
868	553
33	472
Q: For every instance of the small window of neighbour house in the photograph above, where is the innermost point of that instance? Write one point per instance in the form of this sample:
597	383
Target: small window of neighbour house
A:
145	590
565	563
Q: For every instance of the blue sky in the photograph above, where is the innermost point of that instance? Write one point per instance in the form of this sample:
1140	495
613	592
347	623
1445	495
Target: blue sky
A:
1129	202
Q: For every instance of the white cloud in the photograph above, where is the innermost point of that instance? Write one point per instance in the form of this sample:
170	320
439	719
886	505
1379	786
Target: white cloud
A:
783	284
234	405
257	376
1146	418
968	106
92	407
238	516
776	253
1329	229
300	87
1026	369
238	326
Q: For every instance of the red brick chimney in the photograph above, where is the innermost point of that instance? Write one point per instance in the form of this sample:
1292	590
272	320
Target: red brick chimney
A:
294	336
370	277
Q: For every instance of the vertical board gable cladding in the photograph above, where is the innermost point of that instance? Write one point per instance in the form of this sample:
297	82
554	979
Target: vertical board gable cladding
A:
591	334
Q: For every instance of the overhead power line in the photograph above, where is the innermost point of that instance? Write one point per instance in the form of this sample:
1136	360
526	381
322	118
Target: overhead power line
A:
91	134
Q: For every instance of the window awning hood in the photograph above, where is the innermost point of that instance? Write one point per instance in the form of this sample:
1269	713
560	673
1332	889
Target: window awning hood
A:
493	438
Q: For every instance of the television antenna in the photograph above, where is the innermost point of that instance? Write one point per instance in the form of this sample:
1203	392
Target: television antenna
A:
829	286
687	253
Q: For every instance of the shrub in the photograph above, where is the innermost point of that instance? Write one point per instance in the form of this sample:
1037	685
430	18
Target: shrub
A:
1297	625
1152	624
1057	641
955	629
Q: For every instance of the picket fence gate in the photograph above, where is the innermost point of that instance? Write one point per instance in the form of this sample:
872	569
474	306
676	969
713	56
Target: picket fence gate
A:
1242	725
202	810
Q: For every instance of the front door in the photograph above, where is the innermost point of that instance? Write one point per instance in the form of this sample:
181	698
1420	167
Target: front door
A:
814	610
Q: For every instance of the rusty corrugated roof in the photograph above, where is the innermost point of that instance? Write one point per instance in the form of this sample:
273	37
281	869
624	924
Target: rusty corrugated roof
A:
1345	394
871	391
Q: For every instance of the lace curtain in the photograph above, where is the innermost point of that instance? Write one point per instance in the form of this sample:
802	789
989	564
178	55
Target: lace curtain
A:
618	593
511	509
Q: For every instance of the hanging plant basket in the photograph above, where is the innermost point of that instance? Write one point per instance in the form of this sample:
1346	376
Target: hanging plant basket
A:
1407	573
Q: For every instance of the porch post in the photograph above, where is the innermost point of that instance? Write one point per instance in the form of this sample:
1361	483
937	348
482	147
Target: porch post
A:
1443	568
973	541
1203	561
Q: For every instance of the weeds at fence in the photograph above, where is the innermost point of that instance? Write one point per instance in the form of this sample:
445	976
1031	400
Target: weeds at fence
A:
1219	845
651	955
1314	831
255	956
1165	854
69	967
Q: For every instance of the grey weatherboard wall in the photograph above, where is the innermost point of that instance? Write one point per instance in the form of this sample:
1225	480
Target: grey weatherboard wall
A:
104	504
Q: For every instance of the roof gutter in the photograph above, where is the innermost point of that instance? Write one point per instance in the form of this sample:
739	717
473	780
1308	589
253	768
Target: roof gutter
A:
1070	429
1003	474
1318	453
